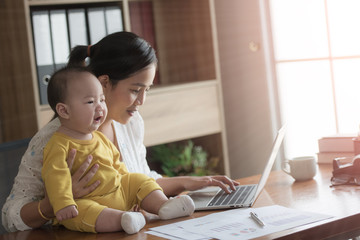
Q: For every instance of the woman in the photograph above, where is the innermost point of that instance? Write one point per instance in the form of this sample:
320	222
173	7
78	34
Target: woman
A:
125	65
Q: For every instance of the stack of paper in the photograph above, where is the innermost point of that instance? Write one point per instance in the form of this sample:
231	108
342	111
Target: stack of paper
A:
237	224
335	146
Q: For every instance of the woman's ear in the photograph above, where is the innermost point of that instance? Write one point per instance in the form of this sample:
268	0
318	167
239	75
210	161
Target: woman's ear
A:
105	81
62	111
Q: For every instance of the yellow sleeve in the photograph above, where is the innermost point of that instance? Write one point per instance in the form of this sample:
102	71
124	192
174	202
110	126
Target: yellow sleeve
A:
56	175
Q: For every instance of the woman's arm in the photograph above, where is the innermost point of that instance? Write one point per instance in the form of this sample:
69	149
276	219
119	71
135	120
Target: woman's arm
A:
130	138
175	185
30	213
20	211
28	186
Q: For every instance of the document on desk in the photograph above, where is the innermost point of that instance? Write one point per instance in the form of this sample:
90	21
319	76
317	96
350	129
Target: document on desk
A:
238	224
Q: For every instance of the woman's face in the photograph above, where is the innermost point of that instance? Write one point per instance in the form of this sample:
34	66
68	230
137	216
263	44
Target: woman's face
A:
125	98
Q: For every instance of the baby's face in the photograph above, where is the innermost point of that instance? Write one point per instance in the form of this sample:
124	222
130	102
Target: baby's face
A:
86	103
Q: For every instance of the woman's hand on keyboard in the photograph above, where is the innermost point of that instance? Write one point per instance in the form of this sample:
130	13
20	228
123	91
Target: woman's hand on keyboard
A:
225	183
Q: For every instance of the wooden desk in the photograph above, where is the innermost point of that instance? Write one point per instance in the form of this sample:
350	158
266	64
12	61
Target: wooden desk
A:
315	195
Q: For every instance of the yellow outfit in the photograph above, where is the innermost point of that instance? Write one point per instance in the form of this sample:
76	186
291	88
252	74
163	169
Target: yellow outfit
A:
118	188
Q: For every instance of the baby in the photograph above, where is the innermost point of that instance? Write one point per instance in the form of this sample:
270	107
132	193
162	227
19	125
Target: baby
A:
77	98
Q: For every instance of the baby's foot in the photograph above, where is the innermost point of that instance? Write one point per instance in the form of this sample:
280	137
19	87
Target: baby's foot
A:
179	206
132	222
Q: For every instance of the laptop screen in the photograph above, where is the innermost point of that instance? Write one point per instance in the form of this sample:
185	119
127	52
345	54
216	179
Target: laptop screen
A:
275	149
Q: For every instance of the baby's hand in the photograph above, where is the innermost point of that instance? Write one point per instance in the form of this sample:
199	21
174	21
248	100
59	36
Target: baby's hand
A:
66	213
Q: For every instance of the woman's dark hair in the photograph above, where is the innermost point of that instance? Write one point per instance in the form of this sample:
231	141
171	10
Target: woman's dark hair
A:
57	88
118	55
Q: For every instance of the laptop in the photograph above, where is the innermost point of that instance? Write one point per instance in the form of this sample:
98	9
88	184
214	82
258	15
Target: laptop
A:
211	198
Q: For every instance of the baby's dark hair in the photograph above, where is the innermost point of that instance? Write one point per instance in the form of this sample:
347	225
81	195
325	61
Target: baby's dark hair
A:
57	88
119	55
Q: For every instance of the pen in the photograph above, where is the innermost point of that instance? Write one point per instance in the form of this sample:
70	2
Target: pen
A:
256	218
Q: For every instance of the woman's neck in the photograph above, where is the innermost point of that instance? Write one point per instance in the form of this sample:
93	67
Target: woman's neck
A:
107	129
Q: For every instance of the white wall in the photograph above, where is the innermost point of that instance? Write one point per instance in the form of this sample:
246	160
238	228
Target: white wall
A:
245	89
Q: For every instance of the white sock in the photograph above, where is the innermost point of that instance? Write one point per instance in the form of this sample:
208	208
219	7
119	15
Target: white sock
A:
179	206
132	222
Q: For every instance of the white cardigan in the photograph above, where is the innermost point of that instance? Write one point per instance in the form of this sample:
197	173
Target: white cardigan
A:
28	185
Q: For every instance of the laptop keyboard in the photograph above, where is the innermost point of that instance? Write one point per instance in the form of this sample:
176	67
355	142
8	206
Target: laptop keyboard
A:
235	197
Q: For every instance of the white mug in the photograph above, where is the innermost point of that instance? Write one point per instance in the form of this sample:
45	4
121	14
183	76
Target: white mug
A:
301	168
